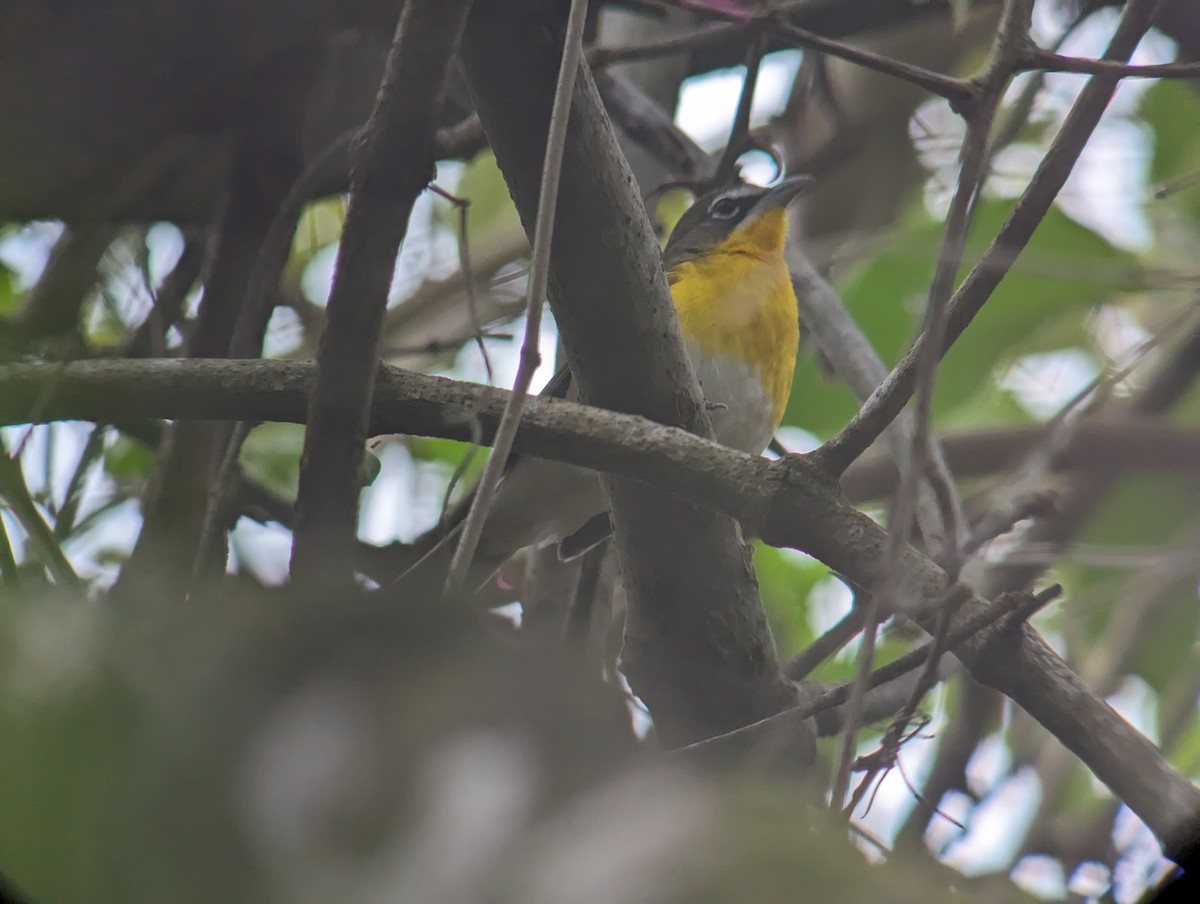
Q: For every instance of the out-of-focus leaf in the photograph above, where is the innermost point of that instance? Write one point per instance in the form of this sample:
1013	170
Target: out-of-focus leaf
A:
491	211
271	456
67	726
320	226
9	296
785	580
125	459
1144	512
1066	270
1172	111
1185	752
450	453
844	666
991	406
672	204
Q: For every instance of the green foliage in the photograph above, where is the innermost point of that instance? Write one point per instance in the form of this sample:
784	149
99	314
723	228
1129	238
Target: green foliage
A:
271	456
491	211
9	296
1172	111
1066	271
1145	515
785	579
126	459
320	226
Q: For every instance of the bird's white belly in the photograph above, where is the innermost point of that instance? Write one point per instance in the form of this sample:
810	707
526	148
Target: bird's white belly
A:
741	412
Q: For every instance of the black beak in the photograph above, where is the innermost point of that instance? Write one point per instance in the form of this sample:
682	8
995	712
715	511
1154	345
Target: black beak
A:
782	194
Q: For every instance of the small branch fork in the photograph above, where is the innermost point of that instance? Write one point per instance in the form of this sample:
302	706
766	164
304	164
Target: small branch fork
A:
1007	612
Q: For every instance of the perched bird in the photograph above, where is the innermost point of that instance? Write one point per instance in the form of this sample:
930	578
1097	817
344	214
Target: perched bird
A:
737	313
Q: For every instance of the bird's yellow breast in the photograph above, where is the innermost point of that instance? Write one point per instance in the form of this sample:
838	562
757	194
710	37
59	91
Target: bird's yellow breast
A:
737	300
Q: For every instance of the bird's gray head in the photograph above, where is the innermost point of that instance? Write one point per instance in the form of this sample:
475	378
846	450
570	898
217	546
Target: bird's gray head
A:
716	215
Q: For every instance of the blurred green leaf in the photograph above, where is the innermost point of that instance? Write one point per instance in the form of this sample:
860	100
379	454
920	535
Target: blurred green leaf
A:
10	298
1066	270
320	226
125	459
1185	752
1172	111
491	211
271	456
450	453
785	579
1143	513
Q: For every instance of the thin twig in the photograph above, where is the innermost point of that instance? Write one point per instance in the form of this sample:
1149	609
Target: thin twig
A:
396	164
578	625
1037	58
1011	37
960	94
440	346
1002	608
460	469
1176	185
64	519
16	495
739	133
600	57
463	205
855	360
1014	30
538	278
802	665
892	395
854	707
218	512
893	737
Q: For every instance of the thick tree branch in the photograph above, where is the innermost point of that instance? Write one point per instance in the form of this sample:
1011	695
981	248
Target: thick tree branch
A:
787	502
396	165
266	159
53	304
116	391
698	649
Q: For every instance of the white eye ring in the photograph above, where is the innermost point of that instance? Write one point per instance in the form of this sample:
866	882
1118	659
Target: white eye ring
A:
724	208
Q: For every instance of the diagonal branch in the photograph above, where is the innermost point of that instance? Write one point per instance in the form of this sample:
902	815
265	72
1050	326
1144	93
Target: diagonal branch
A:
564	87
893	394
397	157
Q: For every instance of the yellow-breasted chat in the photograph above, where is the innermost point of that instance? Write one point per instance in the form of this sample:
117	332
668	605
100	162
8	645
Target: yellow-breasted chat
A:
737	313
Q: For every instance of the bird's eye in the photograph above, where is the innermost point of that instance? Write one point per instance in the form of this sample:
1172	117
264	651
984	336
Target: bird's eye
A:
724	208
